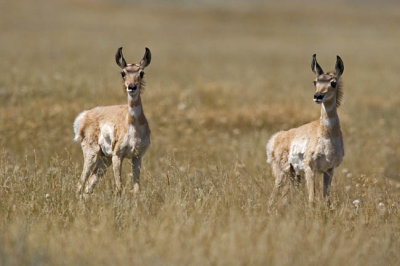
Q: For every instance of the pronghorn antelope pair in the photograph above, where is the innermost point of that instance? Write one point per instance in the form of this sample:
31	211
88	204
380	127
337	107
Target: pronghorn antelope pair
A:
109	134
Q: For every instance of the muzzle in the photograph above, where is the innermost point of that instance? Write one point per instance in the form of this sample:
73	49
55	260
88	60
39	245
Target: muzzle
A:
131	88
319	97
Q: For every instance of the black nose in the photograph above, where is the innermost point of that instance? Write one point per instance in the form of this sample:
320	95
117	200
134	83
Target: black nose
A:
318	96
132	87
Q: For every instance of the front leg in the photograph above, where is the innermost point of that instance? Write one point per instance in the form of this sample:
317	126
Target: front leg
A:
310	182
117	166
327	181
136	165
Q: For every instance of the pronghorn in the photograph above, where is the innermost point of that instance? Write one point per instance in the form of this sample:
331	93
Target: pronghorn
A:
111	133
315	148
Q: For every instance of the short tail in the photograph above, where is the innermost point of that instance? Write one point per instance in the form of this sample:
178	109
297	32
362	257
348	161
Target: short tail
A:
270	148
78	125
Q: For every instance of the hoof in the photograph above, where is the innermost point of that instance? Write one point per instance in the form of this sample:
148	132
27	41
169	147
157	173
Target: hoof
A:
136	189
85	196
78	191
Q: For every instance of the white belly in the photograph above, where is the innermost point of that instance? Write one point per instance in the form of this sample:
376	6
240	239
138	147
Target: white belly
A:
135	141
106	138
297	152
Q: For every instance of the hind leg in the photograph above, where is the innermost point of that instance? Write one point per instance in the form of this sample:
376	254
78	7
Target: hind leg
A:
90	156
280	183
294	178
100	169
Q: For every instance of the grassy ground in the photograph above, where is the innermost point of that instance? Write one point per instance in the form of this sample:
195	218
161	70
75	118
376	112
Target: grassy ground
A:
223	78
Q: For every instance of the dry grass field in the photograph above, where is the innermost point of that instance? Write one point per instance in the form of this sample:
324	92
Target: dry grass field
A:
223	78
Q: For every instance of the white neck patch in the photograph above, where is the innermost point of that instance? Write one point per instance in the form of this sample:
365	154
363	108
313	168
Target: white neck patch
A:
135	111
133	98
329	107
330	122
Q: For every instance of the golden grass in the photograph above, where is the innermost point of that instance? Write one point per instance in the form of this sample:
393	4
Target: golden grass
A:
223	78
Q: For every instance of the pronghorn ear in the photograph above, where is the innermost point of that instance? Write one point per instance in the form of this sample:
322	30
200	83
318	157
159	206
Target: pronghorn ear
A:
146	58
119	58
339	68
315	67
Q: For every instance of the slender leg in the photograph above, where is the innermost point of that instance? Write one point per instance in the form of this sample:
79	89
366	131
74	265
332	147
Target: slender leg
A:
327	181
90	155
310	184
100	169
293	177
279	183
136	165
117	164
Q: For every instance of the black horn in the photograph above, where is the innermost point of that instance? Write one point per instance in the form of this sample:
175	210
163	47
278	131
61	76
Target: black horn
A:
315	67
146	58
119	58
339	67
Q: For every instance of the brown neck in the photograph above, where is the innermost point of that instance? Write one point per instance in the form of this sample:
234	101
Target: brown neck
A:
329	120
135	110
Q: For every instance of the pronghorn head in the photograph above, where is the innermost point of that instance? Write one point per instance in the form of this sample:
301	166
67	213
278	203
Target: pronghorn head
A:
327	85
132	74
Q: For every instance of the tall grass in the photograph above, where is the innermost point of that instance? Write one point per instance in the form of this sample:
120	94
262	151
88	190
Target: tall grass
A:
223	78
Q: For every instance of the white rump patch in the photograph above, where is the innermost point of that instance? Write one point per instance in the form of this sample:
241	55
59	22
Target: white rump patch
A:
106	138
270	147
77	125
297	151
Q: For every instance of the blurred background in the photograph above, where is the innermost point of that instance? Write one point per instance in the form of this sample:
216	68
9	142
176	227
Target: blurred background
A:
224	76
218	66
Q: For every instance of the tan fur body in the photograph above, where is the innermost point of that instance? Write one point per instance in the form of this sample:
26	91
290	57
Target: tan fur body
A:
313	149
110	134
317	146
110	126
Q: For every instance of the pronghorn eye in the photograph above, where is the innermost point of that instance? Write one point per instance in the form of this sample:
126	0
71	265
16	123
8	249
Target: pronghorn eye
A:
315	83
141	74
333	84
123	74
